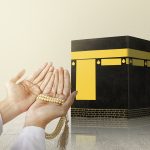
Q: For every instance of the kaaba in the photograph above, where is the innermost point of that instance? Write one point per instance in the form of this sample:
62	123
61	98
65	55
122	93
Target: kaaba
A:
112	77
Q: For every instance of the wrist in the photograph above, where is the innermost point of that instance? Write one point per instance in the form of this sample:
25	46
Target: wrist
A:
31	120
8	110
34	123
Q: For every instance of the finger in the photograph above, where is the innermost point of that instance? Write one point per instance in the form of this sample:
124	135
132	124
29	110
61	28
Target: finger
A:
51	69
70	100
18	76
47	78
55	85
37	72
67	84
49	85
42	74
60	81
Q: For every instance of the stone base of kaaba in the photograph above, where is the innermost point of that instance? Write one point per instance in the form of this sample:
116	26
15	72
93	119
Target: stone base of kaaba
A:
110	113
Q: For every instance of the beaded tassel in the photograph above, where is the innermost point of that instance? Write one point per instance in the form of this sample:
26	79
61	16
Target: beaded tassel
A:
62	120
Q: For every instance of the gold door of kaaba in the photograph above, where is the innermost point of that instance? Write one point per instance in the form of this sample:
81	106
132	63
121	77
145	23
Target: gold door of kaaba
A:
85	79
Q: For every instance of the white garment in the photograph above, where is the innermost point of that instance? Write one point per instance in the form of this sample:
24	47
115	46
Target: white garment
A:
30	138
1	125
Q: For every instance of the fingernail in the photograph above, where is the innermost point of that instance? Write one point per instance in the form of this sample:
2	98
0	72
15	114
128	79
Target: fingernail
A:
76	92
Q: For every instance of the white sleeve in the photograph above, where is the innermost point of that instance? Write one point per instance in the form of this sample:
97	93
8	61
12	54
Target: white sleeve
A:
31	138
1	124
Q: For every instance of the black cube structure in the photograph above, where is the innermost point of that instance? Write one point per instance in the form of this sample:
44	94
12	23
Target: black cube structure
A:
112	77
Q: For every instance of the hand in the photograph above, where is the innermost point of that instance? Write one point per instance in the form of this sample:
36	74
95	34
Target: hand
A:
20	95
41	113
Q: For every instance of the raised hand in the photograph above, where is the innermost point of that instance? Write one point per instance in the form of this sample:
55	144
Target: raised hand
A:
41	113
21	94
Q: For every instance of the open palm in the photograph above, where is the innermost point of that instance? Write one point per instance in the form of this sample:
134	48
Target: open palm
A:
41	113
24	93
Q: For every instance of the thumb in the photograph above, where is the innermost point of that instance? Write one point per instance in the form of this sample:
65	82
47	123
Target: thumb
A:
70	100
17	76
14	79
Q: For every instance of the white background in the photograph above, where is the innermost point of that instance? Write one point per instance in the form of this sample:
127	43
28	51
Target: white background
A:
36	31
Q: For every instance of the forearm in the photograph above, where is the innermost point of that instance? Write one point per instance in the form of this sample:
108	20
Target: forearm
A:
8	110
1	125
